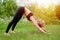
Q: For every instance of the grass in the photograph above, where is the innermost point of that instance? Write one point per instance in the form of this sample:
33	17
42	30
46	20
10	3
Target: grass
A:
27	31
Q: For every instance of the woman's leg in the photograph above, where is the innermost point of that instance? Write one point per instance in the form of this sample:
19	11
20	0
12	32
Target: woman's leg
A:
13	26
16	18
9	26
19	13
12	22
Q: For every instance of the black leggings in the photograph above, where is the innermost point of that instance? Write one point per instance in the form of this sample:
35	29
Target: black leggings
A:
16	18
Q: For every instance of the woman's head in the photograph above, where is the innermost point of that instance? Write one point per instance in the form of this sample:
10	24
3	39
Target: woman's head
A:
41	23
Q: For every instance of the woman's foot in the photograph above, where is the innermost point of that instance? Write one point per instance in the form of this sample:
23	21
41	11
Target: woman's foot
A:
6	34
13	32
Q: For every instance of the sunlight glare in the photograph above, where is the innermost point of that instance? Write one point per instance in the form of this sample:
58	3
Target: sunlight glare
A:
46	2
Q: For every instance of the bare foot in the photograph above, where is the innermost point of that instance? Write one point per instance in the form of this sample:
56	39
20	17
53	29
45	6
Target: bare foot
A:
6	34
13	32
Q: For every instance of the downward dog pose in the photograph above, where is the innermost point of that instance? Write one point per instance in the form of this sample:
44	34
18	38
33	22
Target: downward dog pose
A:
29	15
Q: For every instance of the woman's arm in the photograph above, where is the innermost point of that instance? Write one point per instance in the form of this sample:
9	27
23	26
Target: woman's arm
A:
35	23
27	11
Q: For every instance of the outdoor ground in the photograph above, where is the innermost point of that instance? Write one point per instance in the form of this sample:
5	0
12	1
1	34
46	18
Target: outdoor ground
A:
27	31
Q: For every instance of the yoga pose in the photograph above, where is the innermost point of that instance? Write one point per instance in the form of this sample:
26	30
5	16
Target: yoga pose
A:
29	15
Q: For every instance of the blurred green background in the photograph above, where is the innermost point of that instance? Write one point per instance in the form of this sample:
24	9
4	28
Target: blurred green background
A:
52	12
25	30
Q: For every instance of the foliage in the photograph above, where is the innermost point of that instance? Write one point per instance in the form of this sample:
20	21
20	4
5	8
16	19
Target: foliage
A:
7	8
48	14
58	11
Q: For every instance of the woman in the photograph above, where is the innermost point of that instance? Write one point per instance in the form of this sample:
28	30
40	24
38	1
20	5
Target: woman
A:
29	15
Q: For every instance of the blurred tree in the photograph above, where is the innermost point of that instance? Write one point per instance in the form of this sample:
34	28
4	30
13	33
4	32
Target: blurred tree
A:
7	8
58	11
48	14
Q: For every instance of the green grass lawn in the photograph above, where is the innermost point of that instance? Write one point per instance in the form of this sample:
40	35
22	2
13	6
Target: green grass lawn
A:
27	31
